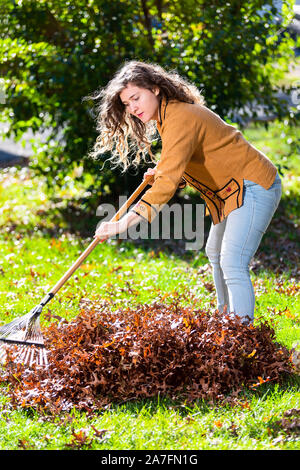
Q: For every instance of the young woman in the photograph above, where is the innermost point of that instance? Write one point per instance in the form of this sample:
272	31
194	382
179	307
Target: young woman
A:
239	184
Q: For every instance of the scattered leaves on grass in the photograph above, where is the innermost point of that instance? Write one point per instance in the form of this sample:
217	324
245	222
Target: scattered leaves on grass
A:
104	356
79	439
292	288
24	444
284	313
289	425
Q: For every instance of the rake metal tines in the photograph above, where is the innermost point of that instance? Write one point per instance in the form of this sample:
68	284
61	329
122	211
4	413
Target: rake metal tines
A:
25	334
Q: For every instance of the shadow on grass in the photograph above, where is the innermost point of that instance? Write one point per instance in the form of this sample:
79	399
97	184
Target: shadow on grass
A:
280	247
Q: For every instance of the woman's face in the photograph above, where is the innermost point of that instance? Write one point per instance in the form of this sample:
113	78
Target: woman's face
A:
141	102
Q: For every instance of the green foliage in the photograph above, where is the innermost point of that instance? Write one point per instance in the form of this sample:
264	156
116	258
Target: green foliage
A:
125	275
280	142
55	52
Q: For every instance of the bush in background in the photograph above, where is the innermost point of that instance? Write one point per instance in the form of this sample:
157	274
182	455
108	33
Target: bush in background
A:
55	52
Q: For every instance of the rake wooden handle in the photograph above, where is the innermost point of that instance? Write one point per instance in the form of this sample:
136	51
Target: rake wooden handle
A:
95	242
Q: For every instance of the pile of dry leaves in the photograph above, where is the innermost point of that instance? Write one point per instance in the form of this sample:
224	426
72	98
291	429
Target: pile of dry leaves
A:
104	356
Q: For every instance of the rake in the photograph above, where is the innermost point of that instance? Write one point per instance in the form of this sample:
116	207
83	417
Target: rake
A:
24	333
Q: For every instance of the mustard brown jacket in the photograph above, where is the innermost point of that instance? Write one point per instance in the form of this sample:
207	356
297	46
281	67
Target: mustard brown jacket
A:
208	154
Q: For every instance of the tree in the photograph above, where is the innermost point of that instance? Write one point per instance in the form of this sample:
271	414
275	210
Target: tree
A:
54	52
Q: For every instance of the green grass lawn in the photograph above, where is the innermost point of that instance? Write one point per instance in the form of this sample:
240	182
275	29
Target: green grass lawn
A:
36	249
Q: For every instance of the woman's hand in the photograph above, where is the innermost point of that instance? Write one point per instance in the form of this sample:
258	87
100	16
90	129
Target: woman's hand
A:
150	172
109	229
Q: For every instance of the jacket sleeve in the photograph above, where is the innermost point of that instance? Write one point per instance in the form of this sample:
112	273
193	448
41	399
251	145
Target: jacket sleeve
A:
180	136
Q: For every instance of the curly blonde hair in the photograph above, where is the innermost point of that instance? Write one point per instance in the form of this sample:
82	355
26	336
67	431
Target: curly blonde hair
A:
123	134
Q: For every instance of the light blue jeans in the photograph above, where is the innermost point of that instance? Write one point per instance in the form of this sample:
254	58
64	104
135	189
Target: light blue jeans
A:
232	243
